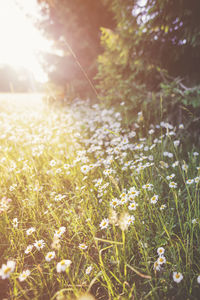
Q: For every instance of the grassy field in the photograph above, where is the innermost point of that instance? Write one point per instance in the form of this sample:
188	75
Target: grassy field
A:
91	209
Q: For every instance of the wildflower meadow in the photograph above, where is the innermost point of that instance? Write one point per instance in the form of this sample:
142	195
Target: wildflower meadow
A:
92	208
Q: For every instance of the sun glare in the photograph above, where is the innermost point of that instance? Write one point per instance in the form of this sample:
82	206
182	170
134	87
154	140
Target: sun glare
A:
20	41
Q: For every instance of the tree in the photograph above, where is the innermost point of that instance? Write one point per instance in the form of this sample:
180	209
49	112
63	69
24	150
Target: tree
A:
74	26
152	39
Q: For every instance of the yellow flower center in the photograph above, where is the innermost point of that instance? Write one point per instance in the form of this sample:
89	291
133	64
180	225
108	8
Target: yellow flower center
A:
7	270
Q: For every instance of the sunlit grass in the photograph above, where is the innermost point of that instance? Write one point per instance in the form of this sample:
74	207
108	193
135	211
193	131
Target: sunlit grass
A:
89	206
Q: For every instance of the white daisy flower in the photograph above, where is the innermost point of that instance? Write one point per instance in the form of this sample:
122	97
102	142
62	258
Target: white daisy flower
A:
7	269
104	223
173	184
198	279
176	143
161	260
60	231
30	230
169	177
88	270
177	277
85	169
114	202
160	251
39	244
190	181
24	275
63	265
163	206
82	246
184	167
133	205
28	249
154	199
50	255
156	266
15	222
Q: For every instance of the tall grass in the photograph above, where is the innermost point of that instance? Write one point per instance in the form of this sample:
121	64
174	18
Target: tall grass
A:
90	206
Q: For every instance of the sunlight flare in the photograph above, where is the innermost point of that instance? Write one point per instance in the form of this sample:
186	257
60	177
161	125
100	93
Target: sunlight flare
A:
21	41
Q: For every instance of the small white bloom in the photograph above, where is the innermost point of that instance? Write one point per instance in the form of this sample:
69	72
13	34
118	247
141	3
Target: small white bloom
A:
148	186
63	265
150	157
88	270
30	230
125	220
190	181
194	221
130	220
104	223
161	260
163	206
169	177
176	143
198	279
133	205
173	184
50	256
114	202
39	244
177	277
160	251
7	269
15	222
28	249
85	169
156	266
52	163
154	199
132	193
163	164
184	167
151	131
123	200
24	275
165	153
175	164
60	231
82	246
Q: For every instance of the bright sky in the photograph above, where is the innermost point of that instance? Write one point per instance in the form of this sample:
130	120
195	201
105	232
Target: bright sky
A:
20	41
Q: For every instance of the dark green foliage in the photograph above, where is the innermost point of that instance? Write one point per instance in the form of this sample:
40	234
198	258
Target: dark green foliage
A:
149	43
